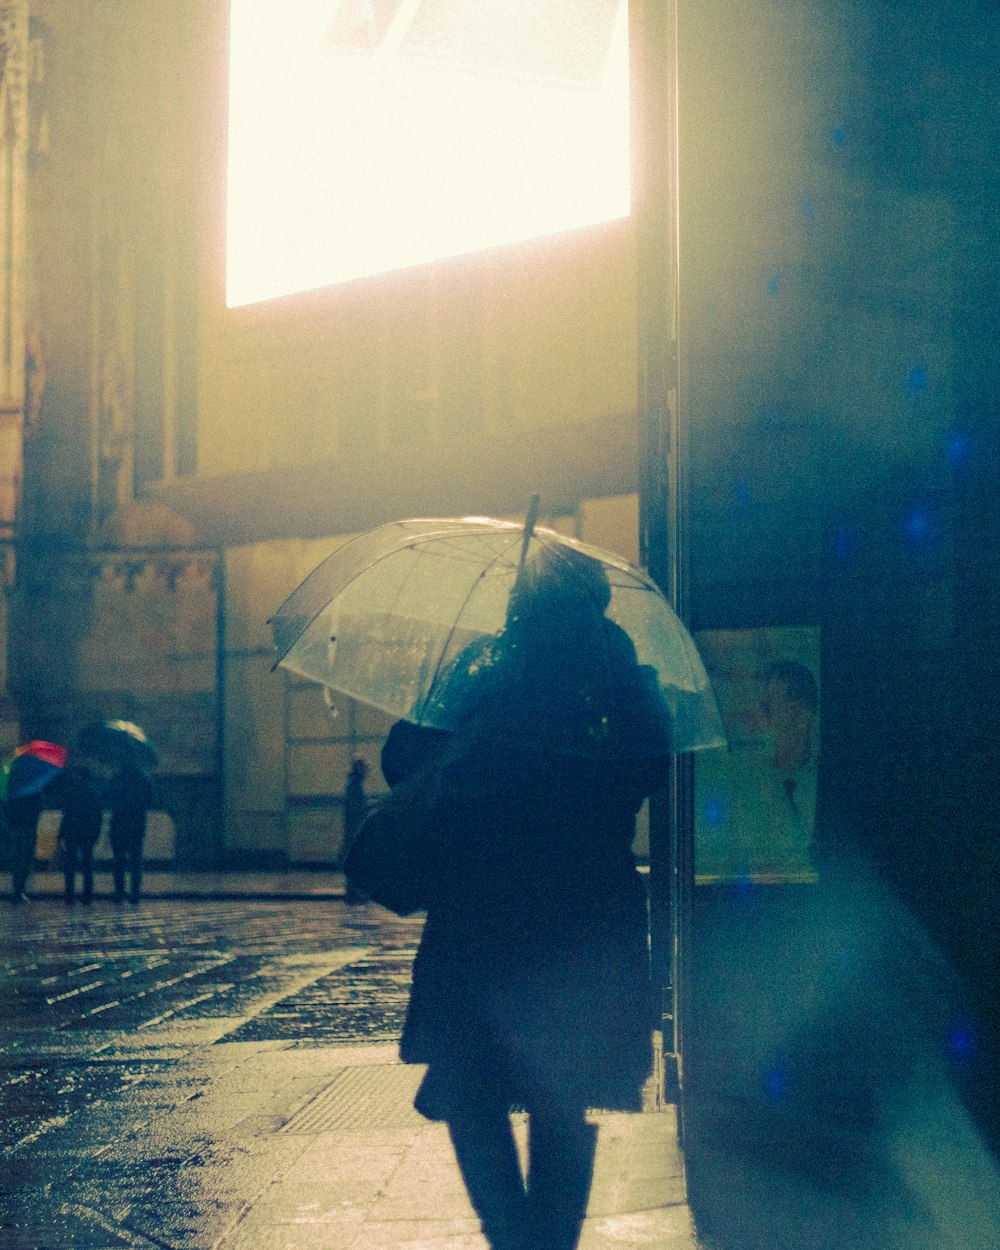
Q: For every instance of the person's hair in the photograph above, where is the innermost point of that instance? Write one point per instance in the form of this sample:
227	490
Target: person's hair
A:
559	578
797	680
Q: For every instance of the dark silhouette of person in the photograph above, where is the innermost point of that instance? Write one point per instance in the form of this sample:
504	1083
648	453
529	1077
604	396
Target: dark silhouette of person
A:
355	809
531	983
129	796
21	818
78	796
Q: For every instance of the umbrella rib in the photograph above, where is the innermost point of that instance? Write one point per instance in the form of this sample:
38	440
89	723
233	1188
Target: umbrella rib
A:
451	632
418	541
423	542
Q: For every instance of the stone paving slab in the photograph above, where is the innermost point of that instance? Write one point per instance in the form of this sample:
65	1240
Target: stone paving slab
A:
176	1130
401	1190
300	884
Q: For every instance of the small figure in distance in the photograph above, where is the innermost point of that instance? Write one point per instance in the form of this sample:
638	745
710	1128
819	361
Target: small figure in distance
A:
21	820
355	809
129	795
78	796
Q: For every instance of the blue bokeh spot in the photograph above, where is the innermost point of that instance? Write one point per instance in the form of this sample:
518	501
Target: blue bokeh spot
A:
774	285
776	1084
961	1042
714	811
957	447
918	525
917	380
842	542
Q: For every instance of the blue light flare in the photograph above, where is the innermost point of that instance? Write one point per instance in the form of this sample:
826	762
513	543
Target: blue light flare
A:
961	1042
918	525
776	1085
957	447
842	542
918	380
743	885
714	811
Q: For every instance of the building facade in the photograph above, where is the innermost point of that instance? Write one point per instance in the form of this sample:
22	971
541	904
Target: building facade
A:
838	366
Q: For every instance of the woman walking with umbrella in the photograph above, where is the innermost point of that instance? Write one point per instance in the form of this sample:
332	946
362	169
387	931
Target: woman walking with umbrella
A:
533	727
530	987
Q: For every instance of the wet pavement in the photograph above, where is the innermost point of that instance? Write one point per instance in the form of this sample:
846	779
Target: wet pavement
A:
222	1074
829	1084
217	1069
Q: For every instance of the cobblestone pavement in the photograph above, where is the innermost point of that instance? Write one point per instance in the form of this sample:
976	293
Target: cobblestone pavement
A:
116	1023
85	980
224	1076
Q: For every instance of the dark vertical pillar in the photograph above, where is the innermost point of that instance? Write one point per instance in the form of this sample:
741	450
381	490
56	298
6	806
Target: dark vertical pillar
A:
661	456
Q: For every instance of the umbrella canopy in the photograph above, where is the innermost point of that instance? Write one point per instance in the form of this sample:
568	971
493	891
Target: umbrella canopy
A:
52	752
30	769
435	621
118	742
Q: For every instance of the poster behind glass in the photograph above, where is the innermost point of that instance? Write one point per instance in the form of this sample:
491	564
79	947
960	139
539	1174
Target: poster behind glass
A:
755	800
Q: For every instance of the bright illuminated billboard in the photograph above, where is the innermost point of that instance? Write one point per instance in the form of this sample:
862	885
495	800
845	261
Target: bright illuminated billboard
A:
371	135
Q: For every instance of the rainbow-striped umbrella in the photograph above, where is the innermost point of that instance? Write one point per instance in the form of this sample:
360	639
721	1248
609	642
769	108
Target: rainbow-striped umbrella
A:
30	769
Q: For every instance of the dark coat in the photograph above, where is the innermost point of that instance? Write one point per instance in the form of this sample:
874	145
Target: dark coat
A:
129	795
22	813
79	798
531	983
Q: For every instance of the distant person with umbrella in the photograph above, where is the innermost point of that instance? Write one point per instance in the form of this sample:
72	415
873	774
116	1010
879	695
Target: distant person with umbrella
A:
24	778
21	817
78	796
128	795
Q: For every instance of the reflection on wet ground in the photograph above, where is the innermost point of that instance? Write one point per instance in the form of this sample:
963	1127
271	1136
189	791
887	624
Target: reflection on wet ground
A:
186	1076
149	1055
122	972
828	1078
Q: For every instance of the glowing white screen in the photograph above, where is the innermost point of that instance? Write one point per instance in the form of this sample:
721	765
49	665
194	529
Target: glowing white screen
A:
370	135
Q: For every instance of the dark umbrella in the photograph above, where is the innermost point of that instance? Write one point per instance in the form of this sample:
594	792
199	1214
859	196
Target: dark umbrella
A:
30	769
118	742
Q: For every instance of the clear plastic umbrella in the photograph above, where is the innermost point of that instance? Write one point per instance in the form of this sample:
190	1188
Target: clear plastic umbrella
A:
414	616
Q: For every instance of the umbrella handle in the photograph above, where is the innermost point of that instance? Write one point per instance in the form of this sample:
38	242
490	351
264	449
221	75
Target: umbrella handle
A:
530	521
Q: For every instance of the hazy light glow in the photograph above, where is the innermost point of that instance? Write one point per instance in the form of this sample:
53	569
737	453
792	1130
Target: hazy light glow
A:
357	149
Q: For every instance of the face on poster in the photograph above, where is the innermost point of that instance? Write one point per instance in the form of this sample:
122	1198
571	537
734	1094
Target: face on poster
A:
755	799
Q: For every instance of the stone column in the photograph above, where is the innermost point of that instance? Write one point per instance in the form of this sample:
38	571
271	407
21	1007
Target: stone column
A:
14	73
